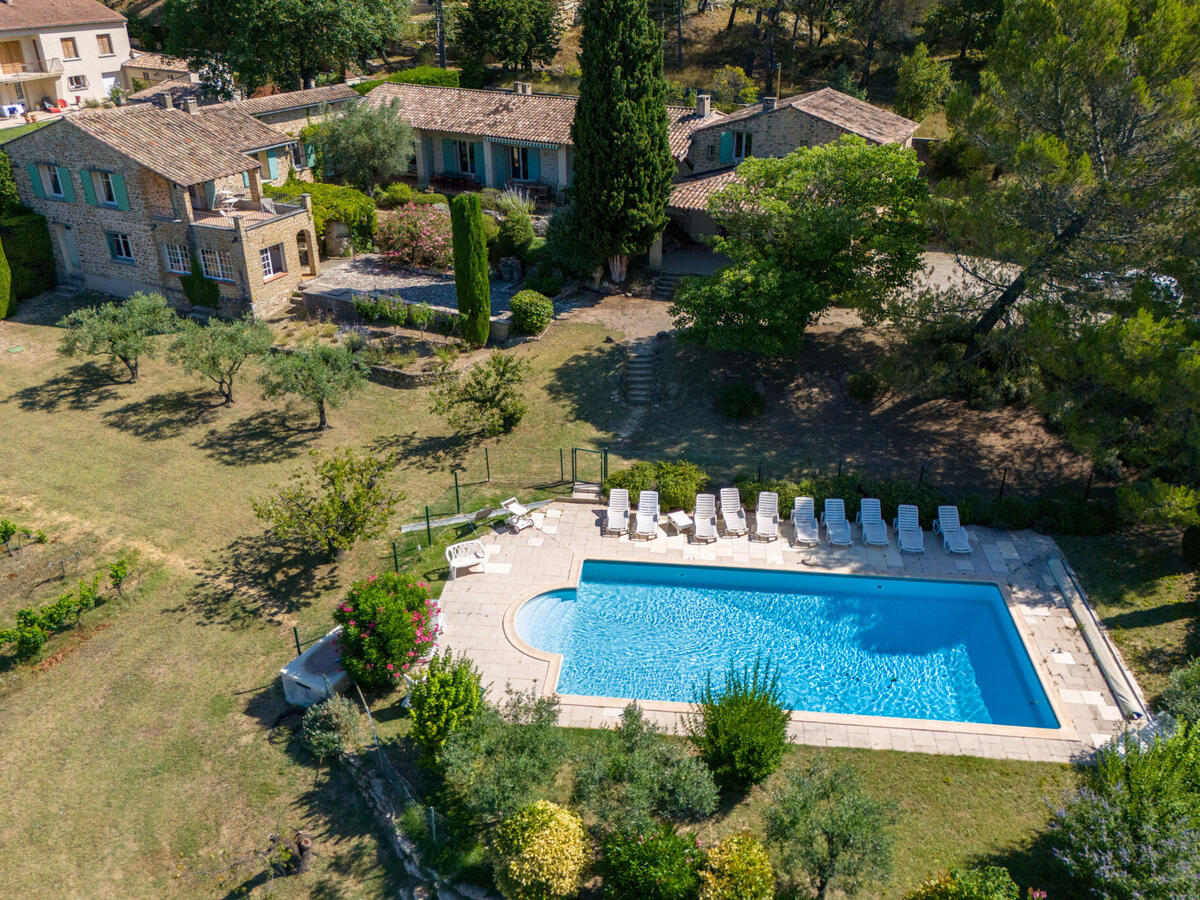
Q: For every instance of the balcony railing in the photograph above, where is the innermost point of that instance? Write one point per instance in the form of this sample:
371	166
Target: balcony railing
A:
30	71
252	213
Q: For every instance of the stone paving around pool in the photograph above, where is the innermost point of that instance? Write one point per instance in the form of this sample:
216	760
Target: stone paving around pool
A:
550	554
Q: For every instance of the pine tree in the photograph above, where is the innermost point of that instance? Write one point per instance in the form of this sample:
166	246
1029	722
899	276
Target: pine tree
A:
471	268
623	164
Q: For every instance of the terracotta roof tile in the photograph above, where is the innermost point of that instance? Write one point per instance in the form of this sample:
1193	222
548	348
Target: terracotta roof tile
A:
275	103
693	193
143	60
180	89
29	14
848	113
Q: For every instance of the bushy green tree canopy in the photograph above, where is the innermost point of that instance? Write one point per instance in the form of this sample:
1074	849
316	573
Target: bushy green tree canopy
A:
515	33
322	374
365	145
218	350
124	332
923	85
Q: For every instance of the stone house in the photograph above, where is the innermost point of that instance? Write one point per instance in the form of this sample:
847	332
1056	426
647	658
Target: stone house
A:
134	194
58	50
144	69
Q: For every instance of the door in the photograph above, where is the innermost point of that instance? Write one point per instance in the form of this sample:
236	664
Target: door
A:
11	57
65	237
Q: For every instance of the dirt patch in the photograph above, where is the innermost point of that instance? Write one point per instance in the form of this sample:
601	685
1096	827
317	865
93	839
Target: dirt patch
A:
634	317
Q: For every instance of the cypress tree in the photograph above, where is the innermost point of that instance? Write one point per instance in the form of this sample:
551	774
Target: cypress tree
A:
471	268
6	299
623	164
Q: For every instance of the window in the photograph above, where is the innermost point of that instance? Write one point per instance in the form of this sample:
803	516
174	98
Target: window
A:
466	160
216	264
177	259
272	260
519	163
118	246
53	184
106	194
104	42
741	144
297	156
145	75
69	50
710	152
77	82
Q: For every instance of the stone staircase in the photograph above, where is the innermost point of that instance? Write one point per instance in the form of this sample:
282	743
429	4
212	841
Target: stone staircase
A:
585	492
639	374
71	286
664	286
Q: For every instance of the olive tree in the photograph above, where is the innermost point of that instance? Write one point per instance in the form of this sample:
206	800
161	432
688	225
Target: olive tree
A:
219	349
322	374
124	332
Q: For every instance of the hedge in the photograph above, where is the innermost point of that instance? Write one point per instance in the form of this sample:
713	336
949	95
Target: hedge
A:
333	203
26	239
6	301
418	75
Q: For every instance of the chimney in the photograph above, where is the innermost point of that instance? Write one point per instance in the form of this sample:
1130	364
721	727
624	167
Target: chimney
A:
168	102
703	106
772	93
769	102
189	104
522	87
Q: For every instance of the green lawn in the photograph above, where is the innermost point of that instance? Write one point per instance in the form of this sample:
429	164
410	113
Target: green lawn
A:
7	134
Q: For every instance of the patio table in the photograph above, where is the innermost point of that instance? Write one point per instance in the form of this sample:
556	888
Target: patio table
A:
680	520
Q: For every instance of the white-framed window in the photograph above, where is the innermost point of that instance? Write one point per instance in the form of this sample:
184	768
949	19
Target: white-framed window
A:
70	50
178	261
54	186
77	82
466	160
742	141
216	264
519	164
273	261
105	193
104	42
119	247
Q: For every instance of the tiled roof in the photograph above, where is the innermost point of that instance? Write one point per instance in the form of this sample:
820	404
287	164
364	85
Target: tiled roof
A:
693	193
275	103
180	89
848	113
239	130
186	148
682	121
143	60
504	115
29	14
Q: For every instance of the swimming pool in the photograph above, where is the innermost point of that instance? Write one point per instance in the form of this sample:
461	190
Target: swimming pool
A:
846	644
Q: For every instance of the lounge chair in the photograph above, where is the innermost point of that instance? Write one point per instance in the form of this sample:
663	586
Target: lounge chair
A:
870	517
465	556
647	516
518	515
732	513
766	516
705	519
837	528
909	534
616	520
954	537
804	522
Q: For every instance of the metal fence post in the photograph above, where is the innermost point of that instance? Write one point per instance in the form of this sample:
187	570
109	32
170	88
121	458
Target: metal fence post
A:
604	467
1003	482
457	504
487	463
395	558
562	467
428	530
921	476
1088	489
296	635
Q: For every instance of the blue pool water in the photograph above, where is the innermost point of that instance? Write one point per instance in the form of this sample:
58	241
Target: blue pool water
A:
843	644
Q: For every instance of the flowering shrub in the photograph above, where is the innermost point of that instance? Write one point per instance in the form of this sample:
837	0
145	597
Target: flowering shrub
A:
540	853
416	235
661	865
985	883
737	869
388	624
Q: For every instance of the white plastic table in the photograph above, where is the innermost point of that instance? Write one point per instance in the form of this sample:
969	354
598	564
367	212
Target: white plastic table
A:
680	520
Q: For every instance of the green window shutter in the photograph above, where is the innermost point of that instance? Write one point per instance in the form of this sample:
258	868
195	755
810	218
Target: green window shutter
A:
246	179
68	187
35	179
534	158
310	155
89	187
272	165
726	146
112	245
118	184
477	158
449	157
500	171
210	194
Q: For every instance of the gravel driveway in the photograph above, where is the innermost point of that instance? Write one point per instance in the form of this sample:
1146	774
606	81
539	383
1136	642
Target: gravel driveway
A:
366	274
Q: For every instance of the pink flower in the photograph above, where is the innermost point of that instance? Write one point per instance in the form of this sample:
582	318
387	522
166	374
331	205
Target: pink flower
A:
351	621
389	667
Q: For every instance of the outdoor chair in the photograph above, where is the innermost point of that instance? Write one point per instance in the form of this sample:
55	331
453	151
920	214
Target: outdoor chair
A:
616	519
870	517
766	516
837	528
518	515
954	537
466	555
909	534
647	516
732	513
804	522
705	518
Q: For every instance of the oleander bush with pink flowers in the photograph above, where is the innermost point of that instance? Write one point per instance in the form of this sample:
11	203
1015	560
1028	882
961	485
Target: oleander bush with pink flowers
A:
389	623
414	235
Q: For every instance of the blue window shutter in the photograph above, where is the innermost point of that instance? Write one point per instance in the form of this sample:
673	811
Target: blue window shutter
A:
272	165
310	155
500	173
35	179
210	194
449	157
118	184
246	179
112	248
535	164
68	187
726	146
89	187
477	158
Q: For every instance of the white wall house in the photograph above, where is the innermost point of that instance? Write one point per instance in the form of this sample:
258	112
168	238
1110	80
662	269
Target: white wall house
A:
68	50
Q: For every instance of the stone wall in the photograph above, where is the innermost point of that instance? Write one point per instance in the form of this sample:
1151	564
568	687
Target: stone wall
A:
775	133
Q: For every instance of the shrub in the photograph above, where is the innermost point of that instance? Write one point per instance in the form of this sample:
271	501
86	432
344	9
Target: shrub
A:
416	236
446	323
1181	698
331	727
655	865
565	246
392	309
983	883
737	869
394	195
388	624
677	481
333	203
26	239
443	701
513	202
741	729
1189	545
199	289
9	198
532	311
864	387
420	316
540	853
516	235
425	198
7	304
416	75
486	399
542	282
740	400
33	627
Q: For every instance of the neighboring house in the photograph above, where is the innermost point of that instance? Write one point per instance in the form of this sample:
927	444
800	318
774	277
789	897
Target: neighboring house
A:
133	194
69	50
145	69
180	90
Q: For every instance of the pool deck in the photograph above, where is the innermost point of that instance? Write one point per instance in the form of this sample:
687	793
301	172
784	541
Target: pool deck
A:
479	607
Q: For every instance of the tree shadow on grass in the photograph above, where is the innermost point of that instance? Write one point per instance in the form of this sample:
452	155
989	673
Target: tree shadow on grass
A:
82	387
1031	864
587	385
431	452
163	416
257	438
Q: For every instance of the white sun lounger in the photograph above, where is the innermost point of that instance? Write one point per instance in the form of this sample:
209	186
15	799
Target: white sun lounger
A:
647	516
837	528
518	515
870	517
616	520
705	518
909	534
732	513
804	522
954	537
465	556
766	516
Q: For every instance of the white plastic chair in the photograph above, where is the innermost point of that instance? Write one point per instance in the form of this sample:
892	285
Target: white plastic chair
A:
732	514
909	534
705	519
616	520
766	516
954	537
870	517
804	521
647	516
466	555
837	528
